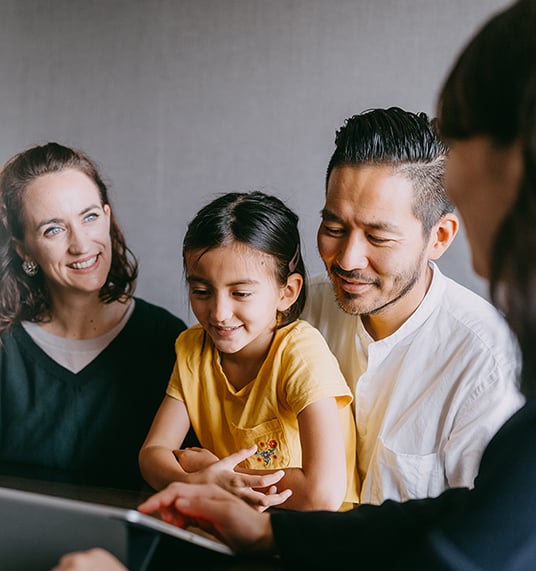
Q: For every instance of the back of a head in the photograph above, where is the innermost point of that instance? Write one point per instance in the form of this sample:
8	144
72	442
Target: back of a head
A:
491	92
406	141
492	85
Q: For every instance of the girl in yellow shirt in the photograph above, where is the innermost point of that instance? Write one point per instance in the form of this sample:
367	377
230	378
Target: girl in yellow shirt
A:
250	376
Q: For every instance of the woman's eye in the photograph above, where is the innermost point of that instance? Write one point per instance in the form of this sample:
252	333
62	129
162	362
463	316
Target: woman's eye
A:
52	231
91	217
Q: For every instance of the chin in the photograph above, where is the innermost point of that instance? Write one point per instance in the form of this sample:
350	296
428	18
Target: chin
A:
481	270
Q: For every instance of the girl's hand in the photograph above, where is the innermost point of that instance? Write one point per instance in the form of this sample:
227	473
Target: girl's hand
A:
194	458
216	511
245	486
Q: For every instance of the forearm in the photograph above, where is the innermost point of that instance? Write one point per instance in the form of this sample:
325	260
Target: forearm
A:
159	467
308	492
360	534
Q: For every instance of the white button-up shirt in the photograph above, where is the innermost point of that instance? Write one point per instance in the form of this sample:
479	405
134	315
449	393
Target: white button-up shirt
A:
429	397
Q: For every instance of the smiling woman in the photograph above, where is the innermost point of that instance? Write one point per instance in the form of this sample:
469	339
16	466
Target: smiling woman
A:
83	364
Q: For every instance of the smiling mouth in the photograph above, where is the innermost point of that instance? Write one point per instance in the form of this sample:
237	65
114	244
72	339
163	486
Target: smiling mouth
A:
225	331
84	265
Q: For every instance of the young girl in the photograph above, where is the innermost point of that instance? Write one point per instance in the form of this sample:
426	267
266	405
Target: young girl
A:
251	375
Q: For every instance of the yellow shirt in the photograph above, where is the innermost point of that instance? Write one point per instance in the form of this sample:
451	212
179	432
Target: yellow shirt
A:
298	371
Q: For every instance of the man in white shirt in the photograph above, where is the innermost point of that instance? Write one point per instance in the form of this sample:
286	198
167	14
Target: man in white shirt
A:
433	366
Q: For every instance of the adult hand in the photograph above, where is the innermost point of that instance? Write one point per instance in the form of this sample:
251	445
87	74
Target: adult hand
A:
246	486
91	560
216	511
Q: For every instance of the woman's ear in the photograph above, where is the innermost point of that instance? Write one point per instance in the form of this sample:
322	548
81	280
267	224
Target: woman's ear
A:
19	248
290	291
442	235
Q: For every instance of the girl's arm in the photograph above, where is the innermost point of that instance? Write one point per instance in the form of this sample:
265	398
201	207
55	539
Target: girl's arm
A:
159	465
320	484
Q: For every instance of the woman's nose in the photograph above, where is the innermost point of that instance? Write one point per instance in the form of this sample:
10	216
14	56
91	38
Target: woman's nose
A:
78	241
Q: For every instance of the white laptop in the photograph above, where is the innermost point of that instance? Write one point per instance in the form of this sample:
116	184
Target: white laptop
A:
37	529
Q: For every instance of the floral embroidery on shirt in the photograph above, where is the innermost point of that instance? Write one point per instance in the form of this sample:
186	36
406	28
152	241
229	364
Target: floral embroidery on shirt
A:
266	451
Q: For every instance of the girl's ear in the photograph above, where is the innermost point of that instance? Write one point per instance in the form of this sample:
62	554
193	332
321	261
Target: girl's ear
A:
290	291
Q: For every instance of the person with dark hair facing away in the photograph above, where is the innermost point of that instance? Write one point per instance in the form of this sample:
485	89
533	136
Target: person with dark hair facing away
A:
432	366
259	386
83	364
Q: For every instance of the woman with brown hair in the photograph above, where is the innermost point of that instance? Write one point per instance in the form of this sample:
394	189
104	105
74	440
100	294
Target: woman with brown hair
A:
83	364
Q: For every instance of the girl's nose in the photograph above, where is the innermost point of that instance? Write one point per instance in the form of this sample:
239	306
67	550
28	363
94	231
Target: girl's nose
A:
221	308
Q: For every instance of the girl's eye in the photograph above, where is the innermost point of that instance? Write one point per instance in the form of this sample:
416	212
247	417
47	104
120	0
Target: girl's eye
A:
242	293
198	292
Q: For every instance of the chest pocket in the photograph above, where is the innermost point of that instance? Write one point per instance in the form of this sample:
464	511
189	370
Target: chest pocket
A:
401	476
272	446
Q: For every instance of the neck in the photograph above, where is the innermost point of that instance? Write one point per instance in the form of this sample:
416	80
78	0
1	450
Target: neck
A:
85	317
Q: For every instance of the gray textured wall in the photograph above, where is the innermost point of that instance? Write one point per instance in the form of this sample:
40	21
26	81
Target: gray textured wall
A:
180	100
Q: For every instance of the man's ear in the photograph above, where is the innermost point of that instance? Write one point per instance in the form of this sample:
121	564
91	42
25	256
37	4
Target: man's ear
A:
442	234
290	291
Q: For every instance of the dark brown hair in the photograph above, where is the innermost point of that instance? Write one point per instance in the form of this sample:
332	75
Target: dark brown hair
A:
258	220
491	92
26	298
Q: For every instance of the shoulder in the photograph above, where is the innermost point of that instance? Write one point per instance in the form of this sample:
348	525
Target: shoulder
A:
472	312
319	287
191	336
154	321
320	299
306	363
146	310
323	312
302	337
466	322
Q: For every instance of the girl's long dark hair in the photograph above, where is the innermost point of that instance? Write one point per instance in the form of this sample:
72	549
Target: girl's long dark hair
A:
259	220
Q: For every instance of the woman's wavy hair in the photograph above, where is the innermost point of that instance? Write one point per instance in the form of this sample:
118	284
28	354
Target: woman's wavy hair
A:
26	298
260	221
491	91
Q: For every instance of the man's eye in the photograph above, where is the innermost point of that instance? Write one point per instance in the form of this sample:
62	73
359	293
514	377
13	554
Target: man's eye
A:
377	240
333	230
